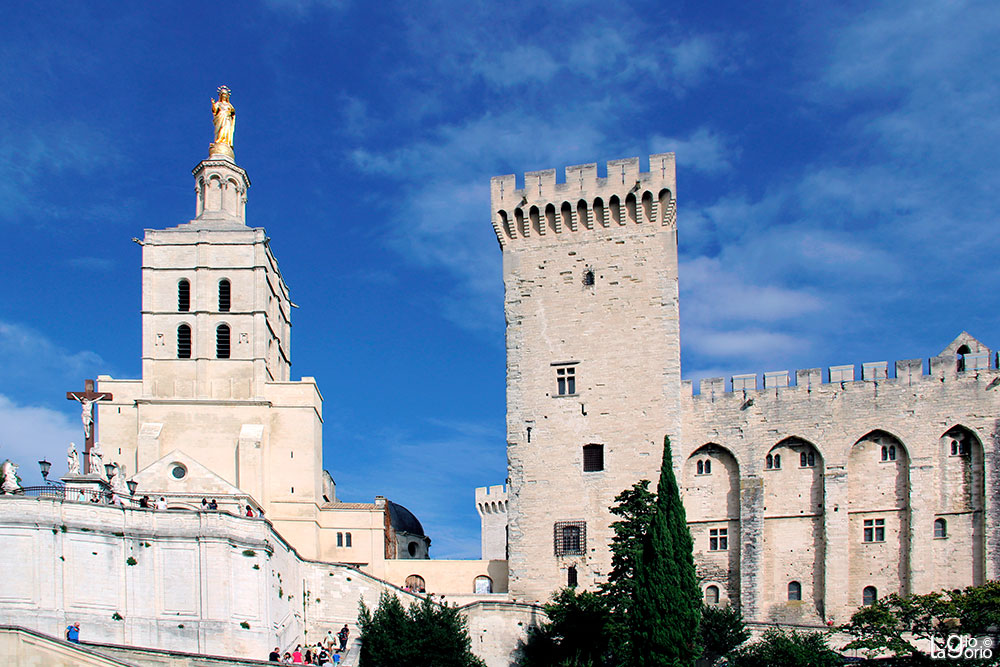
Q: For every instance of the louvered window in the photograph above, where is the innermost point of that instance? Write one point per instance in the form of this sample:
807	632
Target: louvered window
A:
183	342
222	342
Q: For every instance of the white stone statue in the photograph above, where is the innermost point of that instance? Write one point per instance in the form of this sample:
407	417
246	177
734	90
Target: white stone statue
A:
97	461
118	483
87	415
72	459
10	483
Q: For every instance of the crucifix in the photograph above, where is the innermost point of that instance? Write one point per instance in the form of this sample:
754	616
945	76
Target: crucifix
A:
87	398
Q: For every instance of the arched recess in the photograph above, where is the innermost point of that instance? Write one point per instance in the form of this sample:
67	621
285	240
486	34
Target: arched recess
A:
536	226
416	583
230	196
630	208
615	209
483	585
647	206
599	213
712	505
581	215
505	224
550	218
878	491
566	215
960	503
664	207
519	223
794	533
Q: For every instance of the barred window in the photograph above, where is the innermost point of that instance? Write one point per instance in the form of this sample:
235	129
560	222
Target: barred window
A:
222	341
570	538
718	539
183	342
183	296
224	296
593	458
874	530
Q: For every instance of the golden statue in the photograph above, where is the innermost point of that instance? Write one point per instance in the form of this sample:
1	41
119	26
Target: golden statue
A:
224	117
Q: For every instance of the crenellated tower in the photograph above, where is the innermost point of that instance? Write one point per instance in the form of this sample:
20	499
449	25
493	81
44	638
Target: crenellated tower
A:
593	356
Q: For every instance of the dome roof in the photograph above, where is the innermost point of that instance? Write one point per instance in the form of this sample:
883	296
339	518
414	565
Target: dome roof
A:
403	520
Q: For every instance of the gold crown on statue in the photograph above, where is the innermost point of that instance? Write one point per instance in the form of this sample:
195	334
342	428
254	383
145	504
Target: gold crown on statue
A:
224	89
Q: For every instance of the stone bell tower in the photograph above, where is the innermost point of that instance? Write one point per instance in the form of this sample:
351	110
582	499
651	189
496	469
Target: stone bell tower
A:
593	357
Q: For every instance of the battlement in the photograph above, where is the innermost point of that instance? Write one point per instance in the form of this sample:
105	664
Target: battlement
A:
584	202
491	499
947	365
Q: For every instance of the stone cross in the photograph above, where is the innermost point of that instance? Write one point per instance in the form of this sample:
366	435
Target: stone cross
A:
87	398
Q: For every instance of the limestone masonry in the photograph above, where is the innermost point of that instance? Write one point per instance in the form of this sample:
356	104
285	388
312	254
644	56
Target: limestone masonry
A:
805	498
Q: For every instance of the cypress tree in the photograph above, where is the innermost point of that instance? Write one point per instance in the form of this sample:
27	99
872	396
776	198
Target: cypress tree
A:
667	609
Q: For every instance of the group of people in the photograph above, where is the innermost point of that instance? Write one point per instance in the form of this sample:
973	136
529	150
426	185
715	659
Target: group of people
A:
326	652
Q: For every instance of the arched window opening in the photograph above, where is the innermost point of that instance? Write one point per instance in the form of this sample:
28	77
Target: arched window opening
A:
615	208
340	539
664	206
411	549
769	462
885	453
581	214
940	528
701	467
777	461
588	278
416	584
483	585
571	577
183	296
712	595
222	341
807	459
892	452
519	223
550	218
183	342
869	595
960	357
954	447
599	212
708	467
224	296
566	213
647	206
630	208
347	539
535	222
794	590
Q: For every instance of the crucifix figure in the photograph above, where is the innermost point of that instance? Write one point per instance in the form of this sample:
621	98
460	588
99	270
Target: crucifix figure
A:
87	398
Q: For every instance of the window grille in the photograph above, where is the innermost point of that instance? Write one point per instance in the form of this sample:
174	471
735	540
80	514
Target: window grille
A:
183	296
566	380
794	590
224	296
874	530
570	538
718	539
222	342
593	458
183	342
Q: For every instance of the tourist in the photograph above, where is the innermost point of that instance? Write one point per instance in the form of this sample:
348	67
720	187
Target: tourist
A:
161	504
297	655
275	655
308	656
144	502
204	504
343	635
73	633
212	505
249	512
330	641
116	500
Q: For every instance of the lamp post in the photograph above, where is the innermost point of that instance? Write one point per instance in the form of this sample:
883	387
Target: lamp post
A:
45	467
132	484
109	469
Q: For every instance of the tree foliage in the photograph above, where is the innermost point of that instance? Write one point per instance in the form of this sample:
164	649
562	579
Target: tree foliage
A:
721	630
575	636
896	623
788	649
424	634
664	619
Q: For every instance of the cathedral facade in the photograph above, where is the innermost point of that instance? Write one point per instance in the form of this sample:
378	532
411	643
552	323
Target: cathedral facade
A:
807	495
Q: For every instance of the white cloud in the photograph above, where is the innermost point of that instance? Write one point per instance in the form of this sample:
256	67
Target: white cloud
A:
30	433
25	352
703	150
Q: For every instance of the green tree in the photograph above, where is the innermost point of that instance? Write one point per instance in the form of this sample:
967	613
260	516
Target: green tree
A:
634	507
721	630
788	649
667	608
575	636
424	634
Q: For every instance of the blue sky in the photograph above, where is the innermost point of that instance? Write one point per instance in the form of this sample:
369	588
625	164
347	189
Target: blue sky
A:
837	177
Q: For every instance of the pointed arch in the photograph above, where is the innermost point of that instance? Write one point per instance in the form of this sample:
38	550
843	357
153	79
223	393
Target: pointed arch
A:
961	483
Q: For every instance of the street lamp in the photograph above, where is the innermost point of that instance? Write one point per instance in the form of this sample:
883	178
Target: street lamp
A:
109	469
132	484
45	466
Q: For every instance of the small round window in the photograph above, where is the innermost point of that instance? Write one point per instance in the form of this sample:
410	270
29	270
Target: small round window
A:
178	471
412	548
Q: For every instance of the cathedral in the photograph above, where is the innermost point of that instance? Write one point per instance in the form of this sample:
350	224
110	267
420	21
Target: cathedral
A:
807	493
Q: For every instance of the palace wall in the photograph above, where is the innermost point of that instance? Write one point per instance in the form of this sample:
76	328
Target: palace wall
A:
183	580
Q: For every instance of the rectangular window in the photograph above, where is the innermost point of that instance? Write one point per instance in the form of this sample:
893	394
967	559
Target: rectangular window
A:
565	380
570	538
874	530
718	539
593	458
